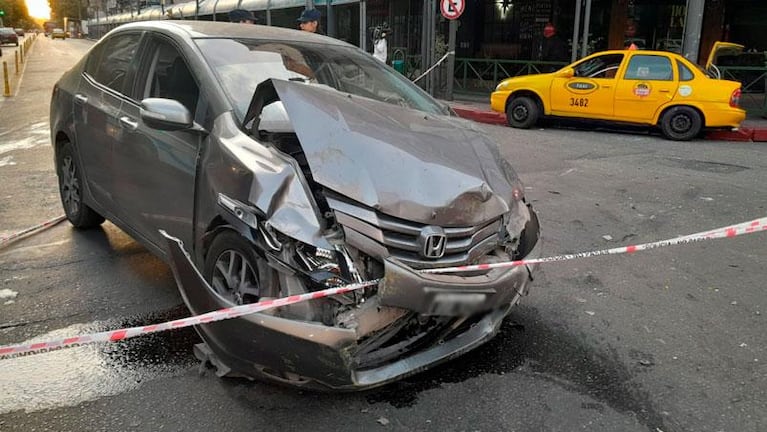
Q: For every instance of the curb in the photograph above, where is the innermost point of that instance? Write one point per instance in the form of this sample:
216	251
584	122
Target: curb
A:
743	134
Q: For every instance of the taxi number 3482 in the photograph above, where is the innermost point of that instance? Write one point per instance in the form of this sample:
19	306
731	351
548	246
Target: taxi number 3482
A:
579	102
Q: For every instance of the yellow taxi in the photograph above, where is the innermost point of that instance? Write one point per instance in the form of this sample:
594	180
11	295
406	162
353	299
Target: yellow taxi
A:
641	87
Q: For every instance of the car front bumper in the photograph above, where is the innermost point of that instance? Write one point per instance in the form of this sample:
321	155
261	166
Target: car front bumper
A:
323	357
498	100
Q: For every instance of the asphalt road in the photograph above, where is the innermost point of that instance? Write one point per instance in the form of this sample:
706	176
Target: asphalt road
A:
667	340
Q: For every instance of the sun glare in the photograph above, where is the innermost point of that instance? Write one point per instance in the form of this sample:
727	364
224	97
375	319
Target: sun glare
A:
39	9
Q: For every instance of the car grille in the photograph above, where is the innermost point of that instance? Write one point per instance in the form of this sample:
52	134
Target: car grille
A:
384	235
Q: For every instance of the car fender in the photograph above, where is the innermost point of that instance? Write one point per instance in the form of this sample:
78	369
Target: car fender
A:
535	92
690	103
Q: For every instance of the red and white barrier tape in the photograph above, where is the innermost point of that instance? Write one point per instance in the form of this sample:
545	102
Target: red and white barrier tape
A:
725	232
237	311
218	315
47	224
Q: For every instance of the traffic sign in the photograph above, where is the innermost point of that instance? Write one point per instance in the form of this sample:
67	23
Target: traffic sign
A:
452	9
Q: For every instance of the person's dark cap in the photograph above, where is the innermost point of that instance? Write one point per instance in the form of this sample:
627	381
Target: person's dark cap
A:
309	15
238	15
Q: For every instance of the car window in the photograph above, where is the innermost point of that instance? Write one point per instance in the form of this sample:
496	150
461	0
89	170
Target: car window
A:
112	65
603	66
241	65
168	76
650	68
685	74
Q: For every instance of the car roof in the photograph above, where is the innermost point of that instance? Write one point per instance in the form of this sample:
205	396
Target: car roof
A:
213	29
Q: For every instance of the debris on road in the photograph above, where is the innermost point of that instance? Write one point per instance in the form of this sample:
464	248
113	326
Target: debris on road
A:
383	421
8	293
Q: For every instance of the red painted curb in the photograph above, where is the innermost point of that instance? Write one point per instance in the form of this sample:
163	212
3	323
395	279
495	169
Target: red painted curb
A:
488	117
760	135
742	134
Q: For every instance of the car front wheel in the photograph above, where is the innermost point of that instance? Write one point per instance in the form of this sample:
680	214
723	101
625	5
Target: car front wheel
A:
71	191
236	272
681	123
522	112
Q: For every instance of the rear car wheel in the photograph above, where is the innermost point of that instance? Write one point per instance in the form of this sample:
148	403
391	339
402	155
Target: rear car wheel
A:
71	190
681	123
522	112
236	272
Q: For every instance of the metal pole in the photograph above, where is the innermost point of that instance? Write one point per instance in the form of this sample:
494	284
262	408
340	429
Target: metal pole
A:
451	60
363	26
331	20
586	23
16	61
693	25
7	91
269	12
576	29
196	9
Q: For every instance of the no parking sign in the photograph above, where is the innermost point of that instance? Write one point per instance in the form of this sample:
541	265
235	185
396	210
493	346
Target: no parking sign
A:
452	9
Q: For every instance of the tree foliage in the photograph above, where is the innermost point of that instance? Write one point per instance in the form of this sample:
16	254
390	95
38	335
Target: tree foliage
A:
68	8
16	14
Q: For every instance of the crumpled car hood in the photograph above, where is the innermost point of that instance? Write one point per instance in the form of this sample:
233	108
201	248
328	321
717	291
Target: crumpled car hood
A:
421	167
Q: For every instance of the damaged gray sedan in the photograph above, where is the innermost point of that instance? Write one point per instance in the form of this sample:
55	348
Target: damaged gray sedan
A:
286	163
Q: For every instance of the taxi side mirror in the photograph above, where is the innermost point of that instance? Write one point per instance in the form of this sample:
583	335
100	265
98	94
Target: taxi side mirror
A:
567	72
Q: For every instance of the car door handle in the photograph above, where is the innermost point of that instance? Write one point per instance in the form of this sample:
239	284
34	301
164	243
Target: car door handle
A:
604	86
664	90
128	123
81	99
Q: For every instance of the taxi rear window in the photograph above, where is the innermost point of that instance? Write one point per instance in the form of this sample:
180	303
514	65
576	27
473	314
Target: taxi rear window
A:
685	74
649	67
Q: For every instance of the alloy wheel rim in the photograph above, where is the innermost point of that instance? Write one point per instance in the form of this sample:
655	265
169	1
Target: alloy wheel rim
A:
234	278
70	186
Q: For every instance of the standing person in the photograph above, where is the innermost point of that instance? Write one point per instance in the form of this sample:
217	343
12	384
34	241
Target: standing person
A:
553	48
242	16
309	21
380	47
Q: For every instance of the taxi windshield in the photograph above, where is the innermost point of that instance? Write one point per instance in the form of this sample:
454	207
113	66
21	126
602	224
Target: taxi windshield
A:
242	64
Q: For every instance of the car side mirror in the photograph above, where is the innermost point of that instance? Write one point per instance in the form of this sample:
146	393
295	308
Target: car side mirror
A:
274	119
165	114
567	72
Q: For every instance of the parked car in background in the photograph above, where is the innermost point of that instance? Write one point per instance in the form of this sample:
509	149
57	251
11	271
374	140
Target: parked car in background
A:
287	162
8	36
58	33
655	88
19	32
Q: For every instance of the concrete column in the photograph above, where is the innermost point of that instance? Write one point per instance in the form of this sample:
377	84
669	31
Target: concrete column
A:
693	26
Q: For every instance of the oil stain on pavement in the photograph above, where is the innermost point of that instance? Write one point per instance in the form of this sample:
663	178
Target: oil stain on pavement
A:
70	376
551	354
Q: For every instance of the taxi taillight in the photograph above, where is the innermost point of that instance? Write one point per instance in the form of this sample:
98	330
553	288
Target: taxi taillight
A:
735	98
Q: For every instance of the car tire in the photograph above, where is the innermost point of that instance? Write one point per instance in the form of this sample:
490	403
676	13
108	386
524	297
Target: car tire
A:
71	190
236	272
681	123
522	112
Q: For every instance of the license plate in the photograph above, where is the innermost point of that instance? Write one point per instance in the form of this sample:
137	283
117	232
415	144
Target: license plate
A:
454	304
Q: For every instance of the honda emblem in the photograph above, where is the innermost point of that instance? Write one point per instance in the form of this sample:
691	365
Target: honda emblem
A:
433	242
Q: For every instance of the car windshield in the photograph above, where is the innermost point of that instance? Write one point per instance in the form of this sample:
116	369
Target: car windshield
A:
241	64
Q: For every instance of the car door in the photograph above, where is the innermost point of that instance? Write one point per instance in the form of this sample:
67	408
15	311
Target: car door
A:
590	91
155	174
97	104
648	83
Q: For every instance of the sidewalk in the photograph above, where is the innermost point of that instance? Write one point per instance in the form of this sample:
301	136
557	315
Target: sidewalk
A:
477	108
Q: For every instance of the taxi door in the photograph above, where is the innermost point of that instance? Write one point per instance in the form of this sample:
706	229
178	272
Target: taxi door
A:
590	91
648	83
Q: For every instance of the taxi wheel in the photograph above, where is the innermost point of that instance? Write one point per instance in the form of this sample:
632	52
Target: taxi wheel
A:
681	123
522	112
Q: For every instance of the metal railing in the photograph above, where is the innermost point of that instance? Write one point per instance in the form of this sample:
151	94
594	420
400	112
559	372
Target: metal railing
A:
482	75
753	80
